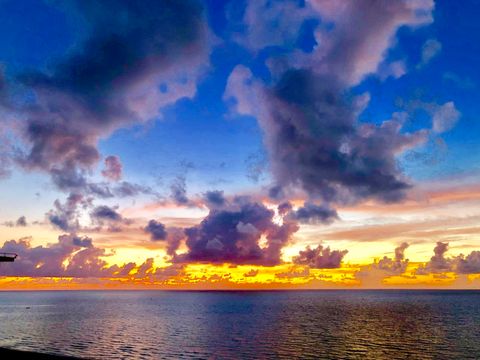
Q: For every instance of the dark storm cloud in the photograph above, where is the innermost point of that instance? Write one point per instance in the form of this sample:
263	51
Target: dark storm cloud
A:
320	257
233	236
156	230
109	81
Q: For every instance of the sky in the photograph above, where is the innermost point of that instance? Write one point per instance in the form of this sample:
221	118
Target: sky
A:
239	144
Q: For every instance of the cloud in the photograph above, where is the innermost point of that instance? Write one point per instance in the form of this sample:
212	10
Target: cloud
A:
248	229
76	256
156	230
438	262
394	69
320	257
178	190
314	141
469	264
362	31
174	238
242	94
126	189
430	49
70	256
465	83
110	81
350	37
104	212
294	272
398	265
113	168
374	275
461	264
233	235
444	117
65	216
21	221
256	165
309	117
105	215
251	273
314	214
284	208
171	235
122	189
267	23
214	198
84	242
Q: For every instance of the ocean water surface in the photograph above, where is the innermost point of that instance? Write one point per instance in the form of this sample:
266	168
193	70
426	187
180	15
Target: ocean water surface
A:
242	325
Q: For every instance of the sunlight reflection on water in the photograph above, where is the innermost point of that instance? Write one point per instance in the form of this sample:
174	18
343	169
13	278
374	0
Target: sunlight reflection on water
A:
324	324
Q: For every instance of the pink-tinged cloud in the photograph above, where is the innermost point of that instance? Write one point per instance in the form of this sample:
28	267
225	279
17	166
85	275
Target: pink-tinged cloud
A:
113	168
362	31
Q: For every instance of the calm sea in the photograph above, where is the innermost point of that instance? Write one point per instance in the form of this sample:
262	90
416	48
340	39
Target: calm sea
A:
242	325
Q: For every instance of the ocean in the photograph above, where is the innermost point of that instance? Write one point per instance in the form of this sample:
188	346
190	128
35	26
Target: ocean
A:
243	325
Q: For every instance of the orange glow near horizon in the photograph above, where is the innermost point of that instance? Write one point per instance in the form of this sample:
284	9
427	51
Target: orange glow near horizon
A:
246	277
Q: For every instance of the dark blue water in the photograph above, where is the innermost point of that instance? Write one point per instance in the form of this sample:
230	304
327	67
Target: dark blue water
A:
240	325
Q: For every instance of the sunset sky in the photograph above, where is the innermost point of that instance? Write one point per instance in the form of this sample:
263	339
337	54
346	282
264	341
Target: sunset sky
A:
239	144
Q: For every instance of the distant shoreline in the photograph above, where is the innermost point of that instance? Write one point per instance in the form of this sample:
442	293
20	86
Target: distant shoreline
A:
20	354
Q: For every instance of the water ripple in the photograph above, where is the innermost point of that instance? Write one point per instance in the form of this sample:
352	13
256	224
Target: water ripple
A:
246	325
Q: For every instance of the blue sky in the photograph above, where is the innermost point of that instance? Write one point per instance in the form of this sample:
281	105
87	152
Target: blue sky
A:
202	131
